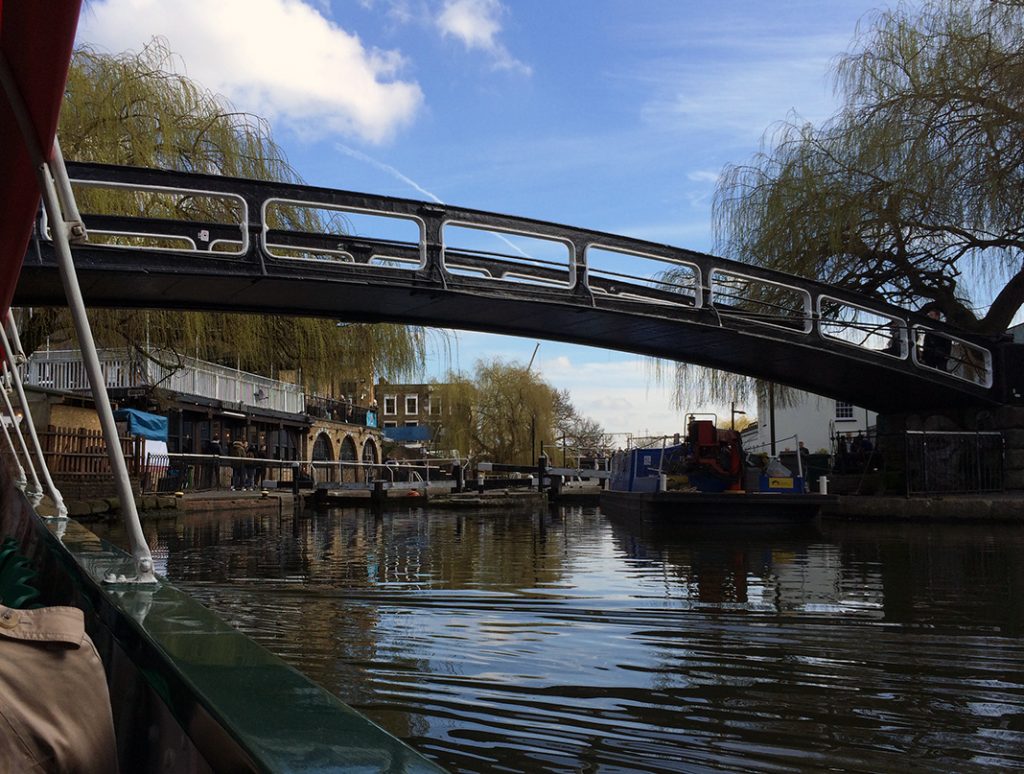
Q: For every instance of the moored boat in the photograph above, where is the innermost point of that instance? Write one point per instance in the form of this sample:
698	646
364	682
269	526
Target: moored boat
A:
705	477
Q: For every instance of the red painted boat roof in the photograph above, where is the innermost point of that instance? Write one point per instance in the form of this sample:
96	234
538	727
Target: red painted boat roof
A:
36	39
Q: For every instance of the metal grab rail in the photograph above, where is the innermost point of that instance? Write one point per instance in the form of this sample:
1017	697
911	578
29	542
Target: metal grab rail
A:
180	471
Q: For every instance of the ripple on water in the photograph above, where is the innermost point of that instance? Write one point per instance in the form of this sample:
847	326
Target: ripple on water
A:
567	642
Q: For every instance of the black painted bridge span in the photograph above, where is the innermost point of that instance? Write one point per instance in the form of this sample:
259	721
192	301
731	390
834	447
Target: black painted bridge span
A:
215	243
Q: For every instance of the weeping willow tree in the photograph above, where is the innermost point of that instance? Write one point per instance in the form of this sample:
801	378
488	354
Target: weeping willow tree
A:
912	192
503	414
134	109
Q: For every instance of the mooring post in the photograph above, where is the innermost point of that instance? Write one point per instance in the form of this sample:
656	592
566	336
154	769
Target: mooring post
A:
460	478
378	494
542	468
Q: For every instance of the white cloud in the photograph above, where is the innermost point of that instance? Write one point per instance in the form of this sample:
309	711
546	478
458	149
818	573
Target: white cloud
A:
476	24
703	176
619	391
281	59
737	83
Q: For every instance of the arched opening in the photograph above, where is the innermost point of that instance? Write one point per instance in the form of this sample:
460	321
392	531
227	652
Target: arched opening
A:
347	453
370	457
323	451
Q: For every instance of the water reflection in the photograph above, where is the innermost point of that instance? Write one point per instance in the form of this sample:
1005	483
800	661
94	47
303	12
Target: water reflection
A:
566	642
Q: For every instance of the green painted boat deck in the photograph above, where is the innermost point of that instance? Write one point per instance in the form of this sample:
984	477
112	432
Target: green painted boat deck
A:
283	720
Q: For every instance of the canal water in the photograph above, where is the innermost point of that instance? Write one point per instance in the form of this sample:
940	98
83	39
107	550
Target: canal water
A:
568	642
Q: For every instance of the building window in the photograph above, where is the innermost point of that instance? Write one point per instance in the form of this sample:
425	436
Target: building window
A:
412	423
434	406
391	423
390	405
412	404
844	410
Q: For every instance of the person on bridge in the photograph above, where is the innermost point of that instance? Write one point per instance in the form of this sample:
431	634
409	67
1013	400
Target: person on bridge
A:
935	348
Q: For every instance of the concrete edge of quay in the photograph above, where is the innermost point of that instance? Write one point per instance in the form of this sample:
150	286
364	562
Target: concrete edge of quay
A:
163	506
1004	506
963	508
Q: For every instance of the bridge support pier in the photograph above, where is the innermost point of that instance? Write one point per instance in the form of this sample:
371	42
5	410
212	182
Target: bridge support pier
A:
1008	420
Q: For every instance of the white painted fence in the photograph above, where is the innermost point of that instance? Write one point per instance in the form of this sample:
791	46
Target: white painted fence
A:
63	370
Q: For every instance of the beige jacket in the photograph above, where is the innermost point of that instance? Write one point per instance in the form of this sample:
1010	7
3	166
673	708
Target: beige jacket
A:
54	705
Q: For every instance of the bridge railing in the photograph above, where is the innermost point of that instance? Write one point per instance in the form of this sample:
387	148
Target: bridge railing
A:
375	235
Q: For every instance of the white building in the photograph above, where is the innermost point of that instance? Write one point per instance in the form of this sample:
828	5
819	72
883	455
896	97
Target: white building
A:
813	419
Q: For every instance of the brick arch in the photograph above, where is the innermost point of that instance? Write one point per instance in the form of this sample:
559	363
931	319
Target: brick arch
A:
347	452
370	455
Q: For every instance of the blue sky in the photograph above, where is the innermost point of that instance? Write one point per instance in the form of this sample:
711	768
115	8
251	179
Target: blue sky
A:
617	115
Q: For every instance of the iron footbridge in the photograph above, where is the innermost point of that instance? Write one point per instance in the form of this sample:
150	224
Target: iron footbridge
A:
159	239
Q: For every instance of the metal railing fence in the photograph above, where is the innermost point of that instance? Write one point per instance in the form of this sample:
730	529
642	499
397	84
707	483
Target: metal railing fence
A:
209	472
924	462
953	462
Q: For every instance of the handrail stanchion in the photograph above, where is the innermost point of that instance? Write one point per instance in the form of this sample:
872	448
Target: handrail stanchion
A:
14	377
19	480
33	489
62	229
799	460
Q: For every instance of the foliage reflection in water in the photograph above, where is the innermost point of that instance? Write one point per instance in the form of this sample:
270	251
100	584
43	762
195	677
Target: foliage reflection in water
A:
567	642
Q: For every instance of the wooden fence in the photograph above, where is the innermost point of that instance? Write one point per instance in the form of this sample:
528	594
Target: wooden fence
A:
75	454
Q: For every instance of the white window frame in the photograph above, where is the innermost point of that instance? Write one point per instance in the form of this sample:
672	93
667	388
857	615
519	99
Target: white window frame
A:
844	411
416	405
394	405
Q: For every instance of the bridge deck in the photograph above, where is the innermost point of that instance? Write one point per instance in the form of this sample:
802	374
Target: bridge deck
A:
218	243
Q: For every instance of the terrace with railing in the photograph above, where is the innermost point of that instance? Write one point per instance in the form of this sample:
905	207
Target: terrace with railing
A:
127	369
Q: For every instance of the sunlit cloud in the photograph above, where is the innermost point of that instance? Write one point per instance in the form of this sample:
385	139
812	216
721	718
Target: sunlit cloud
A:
703	176
281	59
476	24
748	80
622	392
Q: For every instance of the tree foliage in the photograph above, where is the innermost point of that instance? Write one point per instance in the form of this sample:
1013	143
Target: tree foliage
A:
505	413
912	192
135	109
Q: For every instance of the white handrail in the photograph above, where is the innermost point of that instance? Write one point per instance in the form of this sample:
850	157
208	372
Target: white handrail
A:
48	166
12	374
20	479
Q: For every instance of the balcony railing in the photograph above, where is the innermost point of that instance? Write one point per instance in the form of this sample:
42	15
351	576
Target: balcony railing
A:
63	370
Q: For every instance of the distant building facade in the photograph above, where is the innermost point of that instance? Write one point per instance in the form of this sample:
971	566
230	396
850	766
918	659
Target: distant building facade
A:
408	405
813	419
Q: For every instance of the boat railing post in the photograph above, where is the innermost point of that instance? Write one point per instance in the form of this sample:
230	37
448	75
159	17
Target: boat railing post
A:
61	230
90	358
20	480
11	374
799	458
32	488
